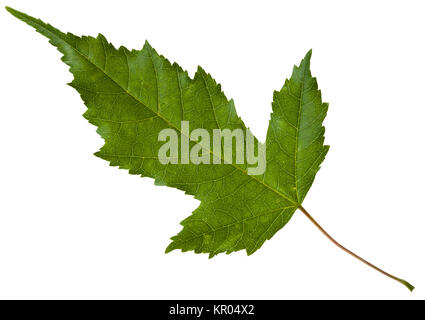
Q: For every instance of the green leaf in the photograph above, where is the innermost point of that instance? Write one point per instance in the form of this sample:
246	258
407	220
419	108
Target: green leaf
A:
132	95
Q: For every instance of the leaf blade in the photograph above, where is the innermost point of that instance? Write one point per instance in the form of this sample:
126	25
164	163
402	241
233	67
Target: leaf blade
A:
131	96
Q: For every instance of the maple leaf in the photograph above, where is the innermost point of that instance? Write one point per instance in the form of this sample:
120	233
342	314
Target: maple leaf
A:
131	96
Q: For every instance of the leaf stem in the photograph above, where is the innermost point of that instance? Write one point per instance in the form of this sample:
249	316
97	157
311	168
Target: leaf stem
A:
404	282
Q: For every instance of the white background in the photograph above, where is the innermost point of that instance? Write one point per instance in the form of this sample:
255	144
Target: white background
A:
73	227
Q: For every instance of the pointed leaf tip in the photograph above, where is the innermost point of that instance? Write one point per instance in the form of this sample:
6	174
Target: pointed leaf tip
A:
12	11
309	53
147	44
169	248
18	14
307	57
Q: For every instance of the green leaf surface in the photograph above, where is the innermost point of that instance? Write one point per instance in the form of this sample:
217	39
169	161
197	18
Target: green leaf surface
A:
132	95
